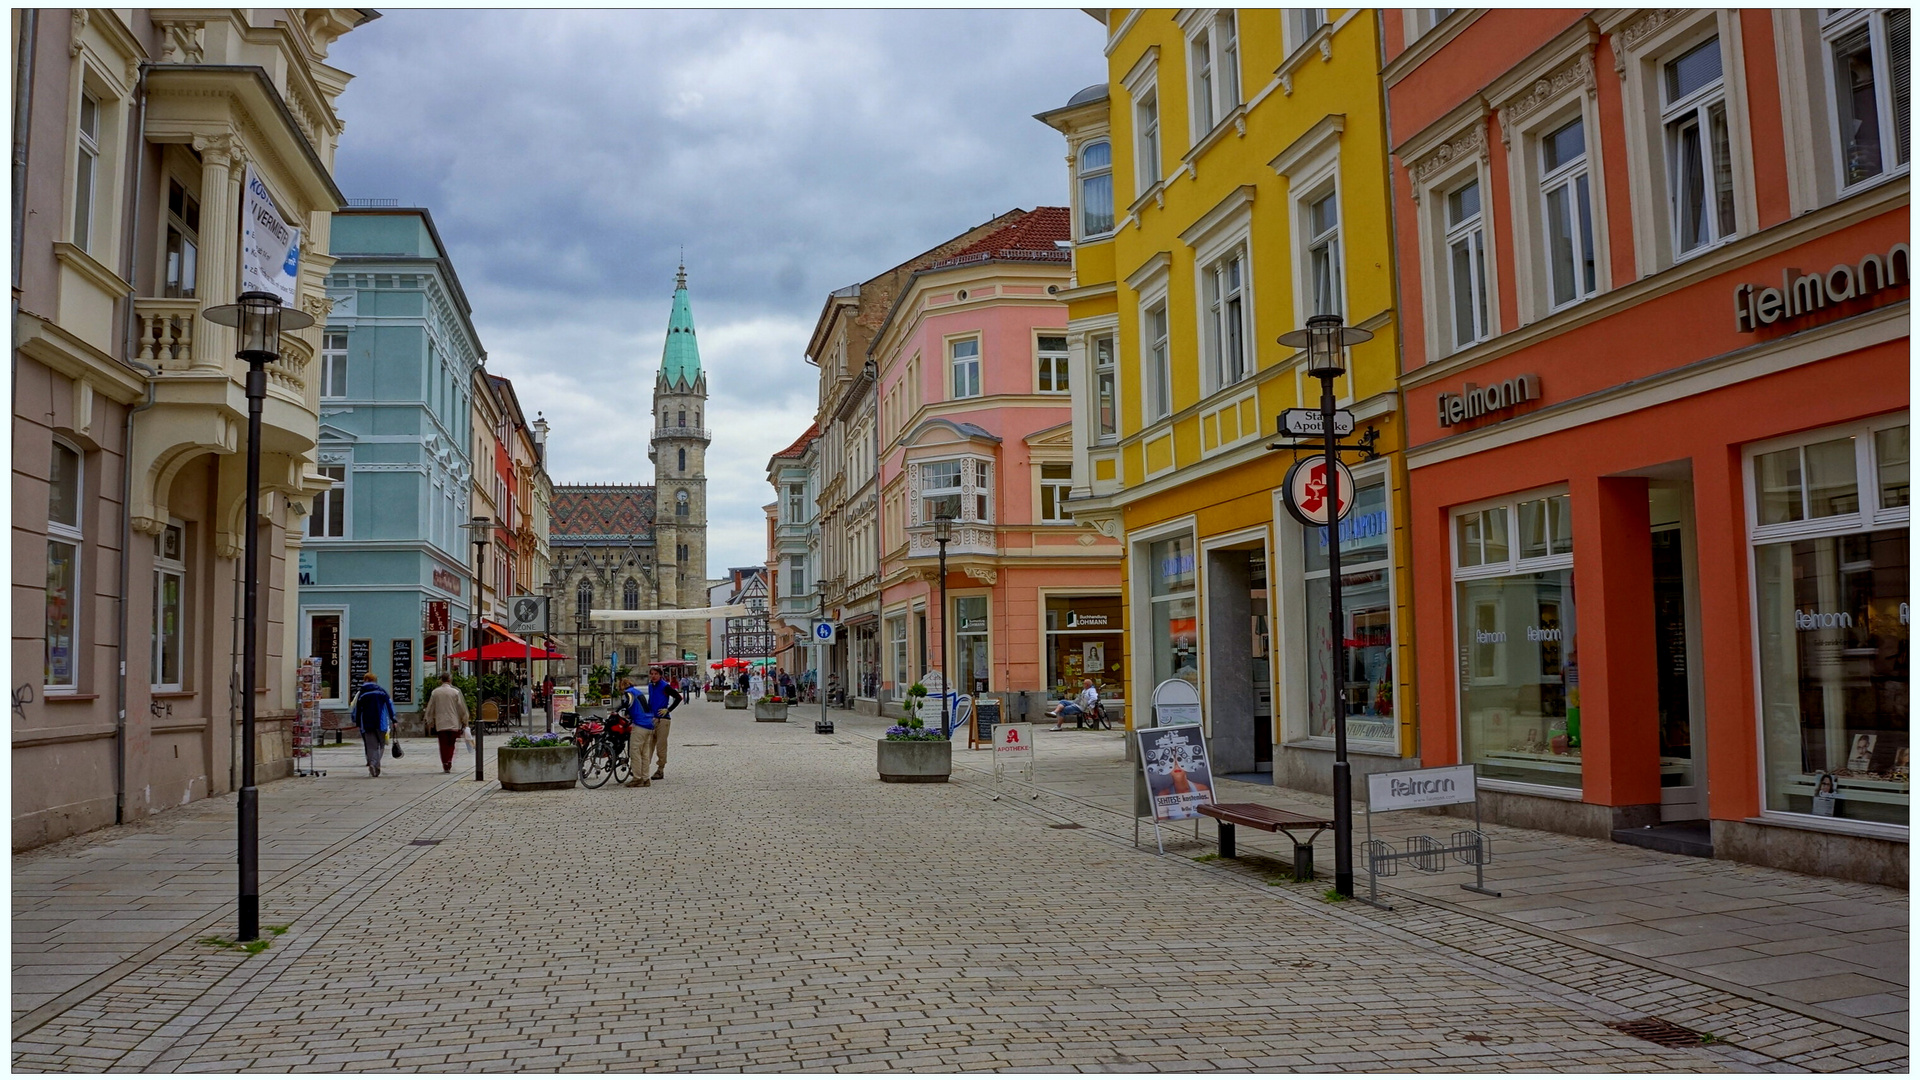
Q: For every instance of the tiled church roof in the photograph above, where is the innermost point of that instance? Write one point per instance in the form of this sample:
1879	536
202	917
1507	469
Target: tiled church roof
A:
602	511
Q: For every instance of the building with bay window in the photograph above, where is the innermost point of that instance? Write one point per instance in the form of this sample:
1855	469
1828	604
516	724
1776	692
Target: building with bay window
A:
1228	182
1655	276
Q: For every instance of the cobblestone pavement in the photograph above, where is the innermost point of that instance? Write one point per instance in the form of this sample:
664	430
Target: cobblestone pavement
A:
772	905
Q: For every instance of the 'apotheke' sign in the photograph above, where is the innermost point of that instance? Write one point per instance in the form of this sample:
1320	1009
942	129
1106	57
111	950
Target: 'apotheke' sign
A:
1800	294
1474	401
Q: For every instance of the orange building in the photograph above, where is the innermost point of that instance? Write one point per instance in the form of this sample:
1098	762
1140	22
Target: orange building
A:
1654	282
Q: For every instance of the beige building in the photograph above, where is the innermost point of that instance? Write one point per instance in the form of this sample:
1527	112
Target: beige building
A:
129	410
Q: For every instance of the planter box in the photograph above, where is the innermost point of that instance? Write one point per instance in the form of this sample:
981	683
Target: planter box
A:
716	695
736	700
540	768
917	761
770	711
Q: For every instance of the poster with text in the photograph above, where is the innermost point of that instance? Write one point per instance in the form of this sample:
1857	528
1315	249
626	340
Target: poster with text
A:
269	244
1179	777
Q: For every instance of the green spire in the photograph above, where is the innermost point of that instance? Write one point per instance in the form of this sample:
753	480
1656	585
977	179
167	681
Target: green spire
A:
680	360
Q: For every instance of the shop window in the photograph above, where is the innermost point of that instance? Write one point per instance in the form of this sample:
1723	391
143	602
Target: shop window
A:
1515	639
1174	610
1084	641
1803	482
169	580
1365	689
971	649
1890	458
63	568
323	644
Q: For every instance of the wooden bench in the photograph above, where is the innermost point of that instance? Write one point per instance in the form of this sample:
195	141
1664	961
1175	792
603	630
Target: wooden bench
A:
1256	816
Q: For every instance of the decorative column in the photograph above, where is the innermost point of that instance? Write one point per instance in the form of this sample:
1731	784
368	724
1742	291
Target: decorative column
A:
219	248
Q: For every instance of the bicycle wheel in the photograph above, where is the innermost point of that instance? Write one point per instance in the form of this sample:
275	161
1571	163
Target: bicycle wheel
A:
623	767
597	767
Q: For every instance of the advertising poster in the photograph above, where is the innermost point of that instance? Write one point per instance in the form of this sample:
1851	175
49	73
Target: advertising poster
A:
269	244
1179	777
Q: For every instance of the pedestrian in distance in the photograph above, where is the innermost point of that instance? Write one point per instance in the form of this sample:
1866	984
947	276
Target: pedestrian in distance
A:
373	715
637	706
662	698
446	717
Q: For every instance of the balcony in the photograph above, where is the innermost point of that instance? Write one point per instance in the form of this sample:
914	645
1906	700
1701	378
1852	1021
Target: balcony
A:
166	340
681	432
970	538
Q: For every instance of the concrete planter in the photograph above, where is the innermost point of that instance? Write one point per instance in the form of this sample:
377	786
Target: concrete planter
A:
736	699
716	695
768	712
540	768
917	761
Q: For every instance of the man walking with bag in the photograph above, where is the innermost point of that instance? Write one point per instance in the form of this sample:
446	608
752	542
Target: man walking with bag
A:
373	715
446	717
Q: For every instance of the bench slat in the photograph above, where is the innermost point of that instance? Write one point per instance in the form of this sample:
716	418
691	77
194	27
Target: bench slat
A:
1254	815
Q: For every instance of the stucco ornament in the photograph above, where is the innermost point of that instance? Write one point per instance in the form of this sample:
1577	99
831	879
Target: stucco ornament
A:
1578	70
1472	141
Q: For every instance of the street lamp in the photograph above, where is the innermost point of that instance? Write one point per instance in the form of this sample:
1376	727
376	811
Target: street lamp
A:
942	534
1326	340
482	528
260	318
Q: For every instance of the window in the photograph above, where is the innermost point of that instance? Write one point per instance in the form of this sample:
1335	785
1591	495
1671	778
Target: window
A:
1159	365
1106	423
796	575
1699	156
1056	482
323	645
583	601
1323	253
63	568
680	503
683	459
965	362
683	418
169	577
183	241
1096	188
329	517
1146	126
940	490
630	601
1052	356
86	166
1420	21
1213	67
1366	686
1226	320
1870	55
1173	610
1467	265
1302	23
1832	622
333	364
971	654
796	504
1515	627
1568	216
1201	50
897	649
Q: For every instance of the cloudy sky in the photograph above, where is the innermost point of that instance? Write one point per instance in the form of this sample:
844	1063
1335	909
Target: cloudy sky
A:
568	156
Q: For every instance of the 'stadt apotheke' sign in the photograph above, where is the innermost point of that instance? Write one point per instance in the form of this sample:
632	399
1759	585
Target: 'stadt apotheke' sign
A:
1803	294
1476	401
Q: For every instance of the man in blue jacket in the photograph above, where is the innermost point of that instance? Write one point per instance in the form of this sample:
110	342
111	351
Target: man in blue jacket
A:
373	715
637	706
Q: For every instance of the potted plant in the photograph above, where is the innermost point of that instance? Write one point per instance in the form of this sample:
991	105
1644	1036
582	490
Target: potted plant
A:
538	762
912	754
715	691
735	699
770	708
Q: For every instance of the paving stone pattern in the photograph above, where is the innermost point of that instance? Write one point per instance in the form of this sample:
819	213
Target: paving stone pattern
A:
771	905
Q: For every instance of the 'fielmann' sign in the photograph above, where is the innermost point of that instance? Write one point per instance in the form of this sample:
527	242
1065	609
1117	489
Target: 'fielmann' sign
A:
1414	788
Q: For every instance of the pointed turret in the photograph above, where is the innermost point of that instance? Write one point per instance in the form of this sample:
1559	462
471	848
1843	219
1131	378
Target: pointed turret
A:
680	359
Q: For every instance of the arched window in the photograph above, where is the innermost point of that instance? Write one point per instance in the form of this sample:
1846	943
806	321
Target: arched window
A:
696	418
583	600
680	503
683	418
1096	188
630	600
683	459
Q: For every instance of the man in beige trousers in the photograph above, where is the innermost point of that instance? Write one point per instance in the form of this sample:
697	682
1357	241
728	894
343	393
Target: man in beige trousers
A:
446	717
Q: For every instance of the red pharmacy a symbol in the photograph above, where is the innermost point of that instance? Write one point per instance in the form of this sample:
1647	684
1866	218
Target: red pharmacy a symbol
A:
1013	736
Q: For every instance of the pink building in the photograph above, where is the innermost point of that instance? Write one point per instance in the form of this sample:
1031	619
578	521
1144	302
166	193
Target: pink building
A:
976	422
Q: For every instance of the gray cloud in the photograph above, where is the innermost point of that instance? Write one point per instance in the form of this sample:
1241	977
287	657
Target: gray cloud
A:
567	156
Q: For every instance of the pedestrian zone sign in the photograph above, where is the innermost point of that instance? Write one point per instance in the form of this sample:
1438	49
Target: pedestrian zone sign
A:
824	631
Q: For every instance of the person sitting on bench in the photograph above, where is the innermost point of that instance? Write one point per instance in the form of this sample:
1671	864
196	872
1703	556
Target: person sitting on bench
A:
1081	708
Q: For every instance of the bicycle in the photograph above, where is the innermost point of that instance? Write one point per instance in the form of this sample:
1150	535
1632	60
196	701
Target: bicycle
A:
603	754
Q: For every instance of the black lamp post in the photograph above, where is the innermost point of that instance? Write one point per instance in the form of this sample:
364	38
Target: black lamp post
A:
482	528
942	534
260	319
1326	340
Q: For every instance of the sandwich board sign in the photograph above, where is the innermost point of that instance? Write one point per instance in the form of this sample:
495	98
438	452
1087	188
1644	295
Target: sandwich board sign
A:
1013	754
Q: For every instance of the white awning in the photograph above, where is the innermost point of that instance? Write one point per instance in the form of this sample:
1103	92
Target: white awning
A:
667	614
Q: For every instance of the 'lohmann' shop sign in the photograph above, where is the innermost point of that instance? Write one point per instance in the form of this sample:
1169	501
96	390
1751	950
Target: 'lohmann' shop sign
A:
1800	294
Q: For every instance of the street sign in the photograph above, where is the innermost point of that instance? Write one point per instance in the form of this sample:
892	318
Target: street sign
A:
527	614
689	656
1305	490
824	631
1307	422
1414	788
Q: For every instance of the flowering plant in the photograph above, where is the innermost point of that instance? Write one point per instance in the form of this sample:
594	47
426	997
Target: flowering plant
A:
541	741
912	731
771	699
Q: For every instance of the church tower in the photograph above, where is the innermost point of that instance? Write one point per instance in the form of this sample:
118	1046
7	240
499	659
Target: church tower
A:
679	455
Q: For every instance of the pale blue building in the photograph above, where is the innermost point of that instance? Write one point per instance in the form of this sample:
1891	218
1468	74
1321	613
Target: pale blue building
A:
396	374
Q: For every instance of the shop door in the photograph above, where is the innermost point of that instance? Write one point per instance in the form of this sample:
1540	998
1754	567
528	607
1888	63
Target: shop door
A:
1683	783
1235	648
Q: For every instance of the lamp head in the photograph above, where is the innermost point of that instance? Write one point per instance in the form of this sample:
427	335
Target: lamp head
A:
1325	341
260	318
942	529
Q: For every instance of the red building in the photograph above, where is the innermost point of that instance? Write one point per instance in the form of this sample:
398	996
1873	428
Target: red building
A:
1654	279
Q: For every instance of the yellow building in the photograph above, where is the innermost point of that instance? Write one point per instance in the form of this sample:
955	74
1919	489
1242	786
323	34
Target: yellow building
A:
1230	180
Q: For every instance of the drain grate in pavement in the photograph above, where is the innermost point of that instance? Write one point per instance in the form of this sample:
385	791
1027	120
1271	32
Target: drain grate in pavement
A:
423	843
1068	825
1659	1032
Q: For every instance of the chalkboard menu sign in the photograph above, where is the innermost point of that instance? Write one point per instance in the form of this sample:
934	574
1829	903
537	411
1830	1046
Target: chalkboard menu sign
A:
359	662
986	713
402	688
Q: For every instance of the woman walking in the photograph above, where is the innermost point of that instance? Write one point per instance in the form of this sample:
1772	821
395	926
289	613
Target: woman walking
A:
446	717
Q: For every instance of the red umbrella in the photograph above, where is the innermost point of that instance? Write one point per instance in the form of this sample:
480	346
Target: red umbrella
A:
507	650
733	662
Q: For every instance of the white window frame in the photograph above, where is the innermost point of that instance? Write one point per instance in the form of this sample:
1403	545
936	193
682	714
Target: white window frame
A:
182	278
1416	23
1471	232
1083	175
1226	312
1156	360
70	535
1695	108
1109	372
1301	24
1051	365
955	490
332	506
1213	69
165	567
333	364
1841	22
1803	42
1312	243
955	365
1146	134
1060	488
1559	87
86	169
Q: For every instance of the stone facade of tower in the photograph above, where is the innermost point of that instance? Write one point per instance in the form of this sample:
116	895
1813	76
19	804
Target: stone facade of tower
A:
643	547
